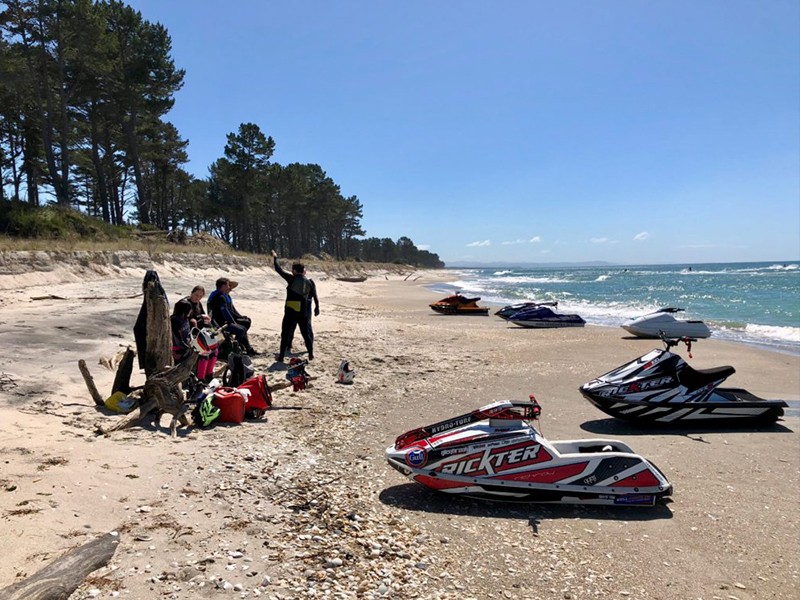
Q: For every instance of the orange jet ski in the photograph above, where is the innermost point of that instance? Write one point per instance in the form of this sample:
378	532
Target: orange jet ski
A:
459	305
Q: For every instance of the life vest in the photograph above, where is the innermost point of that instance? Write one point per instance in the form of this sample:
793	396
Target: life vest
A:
298	292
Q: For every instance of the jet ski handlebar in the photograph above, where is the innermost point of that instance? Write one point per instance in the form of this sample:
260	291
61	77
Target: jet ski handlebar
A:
672	342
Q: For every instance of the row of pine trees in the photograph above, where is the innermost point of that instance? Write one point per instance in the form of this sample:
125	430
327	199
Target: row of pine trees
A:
85	87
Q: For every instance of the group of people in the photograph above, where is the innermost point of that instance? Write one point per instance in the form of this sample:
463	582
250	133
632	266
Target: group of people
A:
188	315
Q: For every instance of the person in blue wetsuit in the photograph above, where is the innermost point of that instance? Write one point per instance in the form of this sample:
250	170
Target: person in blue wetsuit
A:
223	312
297	308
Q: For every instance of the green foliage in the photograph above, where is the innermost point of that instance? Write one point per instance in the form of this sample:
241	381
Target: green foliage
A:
53	223
85	86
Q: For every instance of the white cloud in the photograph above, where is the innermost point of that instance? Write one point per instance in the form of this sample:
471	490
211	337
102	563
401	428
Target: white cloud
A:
640	237
533	240
599	240
483	243
423	246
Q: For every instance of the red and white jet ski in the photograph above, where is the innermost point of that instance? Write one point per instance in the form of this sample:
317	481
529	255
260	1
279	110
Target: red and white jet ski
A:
495	452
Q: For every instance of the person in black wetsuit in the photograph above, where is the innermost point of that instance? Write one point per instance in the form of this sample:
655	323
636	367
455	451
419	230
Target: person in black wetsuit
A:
296	309
181	328
312	296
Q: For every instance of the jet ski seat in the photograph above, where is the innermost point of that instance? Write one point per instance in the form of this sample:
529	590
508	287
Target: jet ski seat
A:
696	378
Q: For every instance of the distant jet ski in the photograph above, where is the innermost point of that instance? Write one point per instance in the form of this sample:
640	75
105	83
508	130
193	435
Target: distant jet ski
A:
661	388
663	320
459	305
512	309
541	317
495	452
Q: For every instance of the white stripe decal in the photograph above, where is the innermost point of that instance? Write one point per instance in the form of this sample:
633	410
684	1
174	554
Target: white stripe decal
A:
675	415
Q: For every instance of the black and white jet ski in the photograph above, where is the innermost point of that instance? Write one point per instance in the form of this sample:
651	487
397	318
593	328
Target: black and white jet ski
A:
495	452
661	387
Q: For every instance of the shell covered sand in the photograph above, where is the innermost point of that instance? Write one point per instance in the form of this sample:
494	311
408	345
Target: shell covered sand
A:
302	504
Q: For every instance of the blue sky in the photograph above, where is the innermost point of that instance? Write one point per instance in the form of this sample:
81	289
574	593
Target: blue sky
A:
623	131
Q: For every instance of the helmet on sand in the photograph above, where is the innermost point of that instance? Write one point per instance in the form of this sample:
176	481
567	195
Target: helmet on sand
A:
346	373
204	341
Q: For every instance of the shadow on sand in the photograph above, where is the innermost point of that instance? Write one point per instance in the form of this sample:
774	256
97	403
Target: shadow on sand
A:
613	426
414	497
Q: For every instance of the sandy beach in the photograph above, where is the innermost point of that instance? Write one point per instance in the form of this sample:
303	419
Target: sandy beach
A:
302	504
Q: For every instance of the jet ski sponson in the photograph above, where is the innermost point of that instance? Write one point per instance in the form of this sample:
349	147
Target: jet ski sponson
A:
495	452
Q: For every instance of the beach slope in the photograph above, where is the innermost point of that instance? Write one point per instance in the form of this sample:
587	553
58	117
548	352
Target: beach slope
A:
303	504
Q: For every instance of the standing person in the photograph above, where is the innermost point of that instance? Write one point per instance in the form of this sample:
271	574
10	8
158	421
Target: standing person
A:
308	313
223	312
313	296
296	309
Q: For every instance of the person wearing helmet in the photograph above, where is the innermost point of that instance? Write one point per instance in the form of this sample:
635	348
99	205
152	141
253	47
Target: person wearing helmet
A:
296	310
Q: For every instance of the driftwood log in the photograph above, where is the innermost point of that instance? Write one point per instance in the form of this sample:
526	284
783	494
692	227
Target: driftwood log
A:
122	380
159	332
87	377
64	575
161	392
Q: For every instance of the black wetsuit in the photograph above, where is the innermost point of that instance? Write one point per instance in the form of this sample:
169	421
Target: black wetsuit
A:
296	311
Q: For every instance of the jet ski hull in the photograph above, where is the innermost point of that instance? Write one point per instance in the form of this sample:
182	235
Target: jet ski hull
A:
451	309
543	317
725	405
548	324
459	305
509	460
662	323
507	312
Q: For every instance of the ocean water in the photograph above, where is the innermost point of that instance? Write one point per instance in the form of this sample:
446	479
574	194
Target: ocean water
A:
751	303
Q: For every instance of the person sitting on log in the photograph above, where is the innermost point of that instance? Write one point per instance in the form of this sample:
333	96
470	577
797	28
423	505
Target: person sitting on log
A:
222	311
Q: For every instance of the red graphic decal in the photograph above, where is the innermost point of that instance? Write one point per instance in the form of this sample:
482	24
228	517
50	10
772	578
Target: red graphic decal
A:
437	483
641	479
548	474
441	440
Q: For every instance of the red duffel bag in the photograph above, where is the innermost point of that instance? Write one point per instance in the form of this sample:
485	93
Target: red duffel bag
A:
260	398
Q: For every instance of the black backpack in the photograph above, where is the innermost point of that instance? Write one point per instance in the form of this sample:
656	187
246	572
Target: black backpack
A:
239	369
